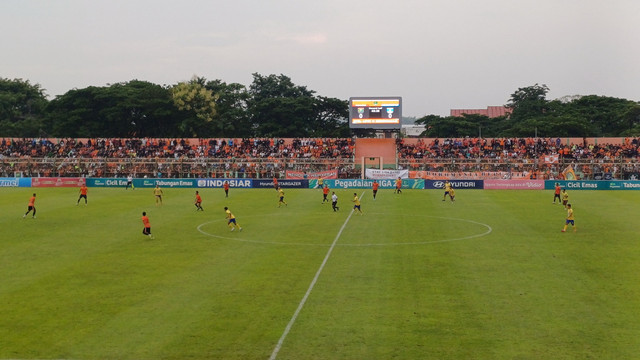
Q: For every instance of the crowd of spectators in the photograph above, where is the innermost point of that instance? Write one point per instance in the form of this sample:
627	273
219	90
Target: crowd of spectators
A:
179	148
173	157
270	157
515	148
545	158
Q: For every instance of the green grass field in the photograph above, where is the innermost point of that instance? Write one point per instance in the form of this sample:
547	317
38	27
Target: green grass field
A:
487	277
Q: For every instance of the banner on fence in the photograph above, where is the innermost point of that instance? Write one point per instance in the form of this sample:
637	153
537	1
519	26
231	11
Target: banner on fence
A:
471	175
386	174
304	175
57	181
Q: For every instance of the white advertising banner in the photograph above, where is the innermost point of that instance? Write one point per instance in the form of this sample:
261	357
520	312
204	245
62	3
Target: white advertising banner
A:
386	174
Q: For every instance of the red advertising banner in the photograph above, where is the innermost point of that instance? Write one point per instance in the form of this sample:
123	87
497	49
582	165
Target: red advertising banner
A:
497	184
57	181
300	175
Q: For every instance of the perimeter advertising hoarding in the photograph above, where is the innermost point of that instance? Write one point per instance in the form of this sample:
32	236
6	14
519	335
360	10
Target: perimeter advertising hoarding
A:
141	183
268	184
367	183
15	182
57	181
499	184
594	185
383	112
218	183
455	184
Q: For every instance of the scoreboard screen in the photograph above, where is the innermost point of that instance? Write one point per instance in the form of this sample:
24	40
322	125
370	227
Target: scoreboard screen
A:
375	112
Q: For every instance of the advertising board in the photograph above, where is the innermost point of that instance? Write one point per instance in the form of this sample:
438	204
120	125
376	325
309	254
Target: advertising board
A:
498	184
455	184
57	181
268	184
15	182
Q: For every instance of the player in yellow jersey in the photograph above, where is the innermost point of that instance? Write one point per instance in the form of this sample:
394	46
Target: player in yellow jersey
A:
158	193
356	203
447	190
452	195
281	196
231	220
565	197
570	219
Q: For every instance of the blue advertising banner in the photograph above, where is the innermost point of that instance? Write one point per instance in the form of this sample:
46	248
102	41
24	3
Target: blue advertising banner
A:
218	183
106	182
169	183
15	182
623	185
264	183
455	184
367	183
576	185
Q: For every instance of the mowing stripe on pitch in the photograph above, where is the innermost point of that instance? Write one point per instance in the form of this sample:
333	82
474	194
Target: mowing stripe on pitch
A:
274	354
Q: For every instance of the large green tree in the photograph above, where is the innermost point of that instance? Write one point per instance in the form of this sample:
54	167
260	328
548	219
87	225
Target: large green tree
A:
132	109
279	108
22	108
199	106
231	118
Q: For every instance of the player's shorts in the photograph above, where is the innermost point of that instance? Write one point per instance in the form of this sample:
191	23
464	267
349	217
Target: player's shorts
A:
146	230
446	193
281	198
570	222
564	202
83	196
375	191
231	221
356	207
31	208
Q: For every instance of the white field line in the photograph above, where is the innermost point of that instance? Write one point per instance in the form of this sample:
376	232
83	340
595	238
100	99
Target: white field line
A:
275	352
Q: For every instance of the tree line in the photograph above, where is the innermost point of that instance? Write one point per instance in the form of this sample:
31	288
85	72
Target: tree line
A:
273	106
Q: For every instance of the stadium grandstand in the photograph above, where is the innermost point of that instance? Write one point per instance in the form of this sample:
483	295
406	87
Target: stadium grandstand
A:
473	158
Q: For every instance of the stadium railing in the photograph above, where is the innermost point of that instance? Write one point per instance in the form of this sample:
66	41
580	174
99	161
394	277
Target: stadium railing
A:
585	169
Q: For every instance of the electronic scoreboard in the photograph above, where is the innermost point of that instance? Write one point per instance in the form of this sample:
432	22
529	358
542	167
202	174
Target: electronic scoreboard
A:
383	112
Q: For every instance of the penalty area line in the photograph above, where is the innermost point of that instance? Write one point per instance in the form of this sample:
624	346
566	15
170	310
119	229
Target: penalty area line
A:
275	352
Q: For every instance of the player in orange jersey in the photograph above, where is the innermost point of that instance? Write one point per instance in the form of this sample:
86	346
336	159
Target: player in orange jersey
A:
375	188
83	194
146	230
32	206
198	202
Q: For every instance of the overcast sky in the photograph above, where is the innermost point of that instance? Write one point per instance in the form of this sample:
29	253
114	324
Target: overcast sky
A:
437	54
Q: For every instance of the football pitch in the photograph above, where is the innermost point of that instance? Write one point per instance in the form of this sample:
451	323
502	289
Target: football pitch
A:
487	277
